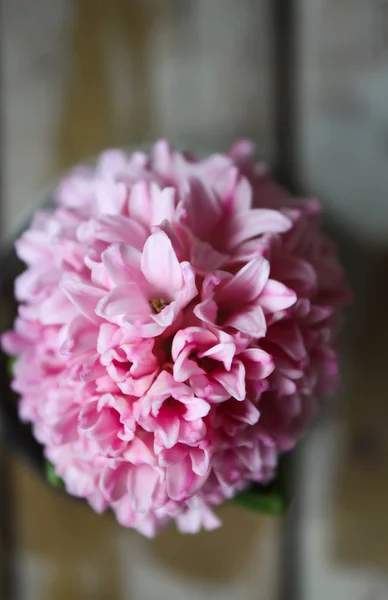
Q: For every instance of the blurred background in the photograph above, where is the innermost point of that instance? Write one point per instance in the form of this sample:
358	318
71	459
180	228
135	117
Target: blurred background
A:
308	81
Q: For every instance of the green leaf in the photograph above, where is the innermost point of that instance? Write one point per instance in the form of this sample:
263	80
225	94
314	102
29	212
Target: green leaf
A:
262	501
52	477
10	366
270	499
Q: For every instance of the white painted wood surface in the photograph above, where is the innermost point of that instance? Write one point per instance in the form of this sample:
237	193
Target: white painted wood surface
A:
343	111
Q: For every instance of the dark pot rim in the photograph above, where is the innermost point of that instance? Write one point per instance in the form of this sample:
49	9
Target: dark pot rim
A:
18	436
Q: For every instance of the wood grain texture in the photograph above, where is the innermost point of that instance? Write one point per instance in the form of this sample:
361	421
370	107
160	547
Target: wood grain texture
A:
360	526
90	556
88	121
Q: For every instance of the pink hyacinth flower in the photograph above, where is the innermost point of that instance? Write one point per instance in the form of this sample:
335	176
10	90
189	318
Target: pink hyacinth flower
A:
177	321
151	288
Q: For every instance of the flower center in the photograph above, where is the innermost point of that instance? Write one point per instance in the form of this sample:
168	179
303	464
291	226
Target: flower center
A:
170	401
207	364
170	405
158	304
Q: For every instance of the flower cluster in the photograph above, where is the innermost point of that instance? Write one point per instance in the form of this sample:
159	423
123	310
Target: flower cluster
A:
177	320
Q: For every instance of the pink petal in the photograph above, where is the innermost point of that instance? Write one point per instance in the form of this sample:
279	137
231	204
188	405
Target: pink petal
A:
123	264
139	202
13	343
206	311
246	225
204	258
191	433
113	228
191	336
176	236
196	408
234	380
164	384
76	189
202	209
55	310
251	322
31	283
114	482
285	387
91	368
167	428
242	150
142	483
98	274
250	415
182	482
194	519
223	352
81	336
242	197
85	297
105	335
258	363
170	456
276	296
111	161
299	271
184	367
65	428
32	248
142	327
168	315
248	282
199	461
110	196
161	157
124	299
271	192
211	390
288	336
319	313
160	264
89	415
189	289
140	450
162	204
